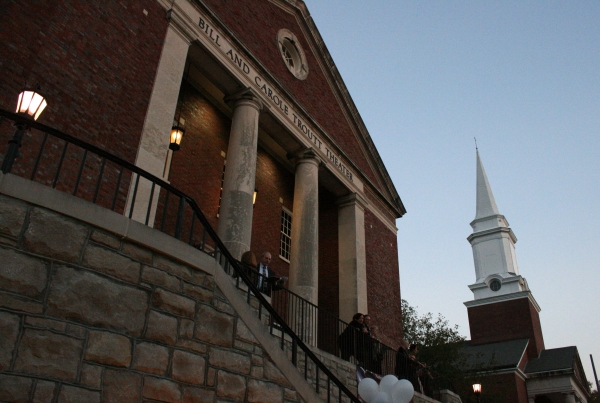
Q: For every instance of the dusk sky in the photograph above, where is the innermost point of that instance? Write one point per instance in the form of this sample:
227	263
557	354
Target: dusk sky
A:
524	78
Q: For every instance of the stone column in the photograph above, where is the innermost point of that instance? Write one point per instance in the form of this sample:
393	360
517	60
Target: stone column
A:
570	398
352	256
304	249
235	217
154	142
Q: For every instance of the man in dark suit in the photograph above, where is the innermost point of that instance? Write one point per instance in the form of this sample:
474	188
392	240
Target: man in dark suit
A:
268	279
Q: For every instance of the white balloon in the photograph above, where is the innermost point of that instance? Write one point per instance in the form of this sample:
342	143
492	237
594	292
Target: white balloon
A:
381	397
387	383
402	392
367	389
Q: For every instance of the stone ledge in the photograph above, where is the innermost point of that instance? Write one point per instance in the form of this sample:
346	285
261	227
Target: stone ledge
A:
102	218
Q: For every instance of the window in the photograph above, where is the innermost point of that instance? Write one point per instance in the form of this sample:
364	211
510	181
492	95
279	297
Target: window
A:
287	56
286	235
292	54
495	285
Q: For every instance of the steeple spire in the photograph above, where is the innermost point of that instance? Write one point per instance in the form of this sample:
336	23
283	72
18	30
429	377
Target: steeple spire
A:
486	204
503	307
493	243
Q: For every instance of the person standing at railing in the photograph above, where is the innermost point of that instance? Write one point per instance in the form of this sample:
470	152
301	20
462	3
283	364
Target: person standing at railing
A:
263	273
403	361
367	323
422	370
249	261
406	367
267	279
351	340
375	355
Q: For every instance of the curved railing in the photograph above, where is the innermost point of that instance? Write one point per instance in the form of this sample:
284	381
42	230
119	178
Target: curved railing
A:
67	163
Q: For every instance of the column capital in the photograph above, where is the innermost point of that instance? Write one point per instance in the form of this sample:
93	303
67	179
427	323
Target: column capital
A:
351	200
306	155
181	25
245	96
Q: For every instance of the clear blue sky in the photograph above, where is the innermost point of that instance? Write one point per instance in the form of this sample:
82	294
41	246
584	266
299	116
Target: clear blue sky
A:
524	78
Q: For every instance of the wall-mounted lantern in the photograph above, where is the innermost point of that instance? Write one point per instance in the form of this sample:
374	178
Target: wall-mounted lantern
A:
254	196
177	132
31	103
477	390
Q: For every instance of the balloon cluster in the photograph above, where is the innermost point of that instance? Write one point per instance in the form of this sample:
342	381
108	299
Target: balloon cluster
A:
389	390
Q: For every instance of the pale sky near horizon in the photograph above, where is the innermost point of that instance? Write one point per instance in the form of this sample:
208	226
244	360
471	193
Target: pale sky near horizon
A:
524	78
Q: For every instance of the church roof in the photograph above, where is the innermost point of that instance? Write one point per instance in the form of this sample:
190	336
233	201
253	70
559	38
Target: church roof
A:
505	354
486	204
559	362
555	359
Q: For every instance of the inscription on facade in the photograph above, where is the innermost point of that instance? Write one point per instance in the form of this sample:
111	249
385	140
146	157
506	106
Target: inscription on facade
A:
276	99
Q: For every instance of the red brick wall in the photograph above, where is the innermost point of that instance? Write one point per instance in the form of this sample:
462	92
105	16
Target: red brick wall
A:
96	63
95	90
197	168
257	22
383	279
500	388
507	320
273	181
521	389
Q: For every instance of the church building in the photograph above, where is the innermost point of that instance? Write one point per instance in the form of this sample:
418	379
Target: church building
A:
507	344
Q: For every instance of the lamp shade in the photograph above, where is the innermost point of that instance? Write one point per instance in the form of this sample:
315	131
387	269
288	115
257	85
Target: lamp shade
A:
177	132
477	388
31	103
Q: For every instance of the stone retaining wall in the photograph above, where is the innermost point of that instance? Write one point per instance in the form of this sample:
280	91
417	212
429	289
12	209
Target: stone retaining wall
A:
88	317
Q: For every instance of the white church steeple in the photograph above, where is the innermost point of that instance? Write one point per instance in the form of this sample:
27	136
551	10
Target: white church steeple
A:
493	243
486	204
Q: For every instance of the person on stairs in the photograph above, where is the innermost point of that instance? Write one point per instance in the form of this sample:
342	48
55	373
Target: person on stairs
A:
268	280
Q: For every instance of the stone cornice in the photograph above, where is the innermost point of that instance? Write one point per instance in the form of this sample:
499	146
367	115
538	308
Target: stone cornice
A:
504	280
348	102
394	202
505	297
353	199
245	94
517	371
495	216
491	231
307	154
182	25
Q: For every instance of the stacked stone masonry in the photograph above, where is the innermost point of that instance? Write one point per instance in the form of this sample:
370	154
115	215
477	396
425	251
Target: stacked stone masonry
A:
87	317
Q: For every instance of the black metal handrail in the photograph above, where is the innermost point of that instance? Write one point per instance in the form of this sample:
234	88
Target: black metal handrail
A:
316	326
216	248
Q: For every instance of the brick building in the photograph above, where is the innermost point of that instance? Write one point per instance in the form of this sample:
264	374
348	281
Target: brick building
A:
264	110
507	344
275	154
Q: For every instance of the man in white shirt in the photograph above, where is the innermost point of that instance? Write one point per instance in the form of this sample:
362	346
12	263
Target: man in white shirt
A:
263	270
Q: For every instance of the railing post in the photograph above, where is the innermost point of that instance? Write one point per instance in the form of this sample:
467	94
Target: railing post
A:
13	148
179	217
294	352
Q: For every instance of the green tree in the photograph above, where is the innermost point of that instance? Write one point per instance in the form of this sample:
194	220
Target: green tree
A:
439	344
